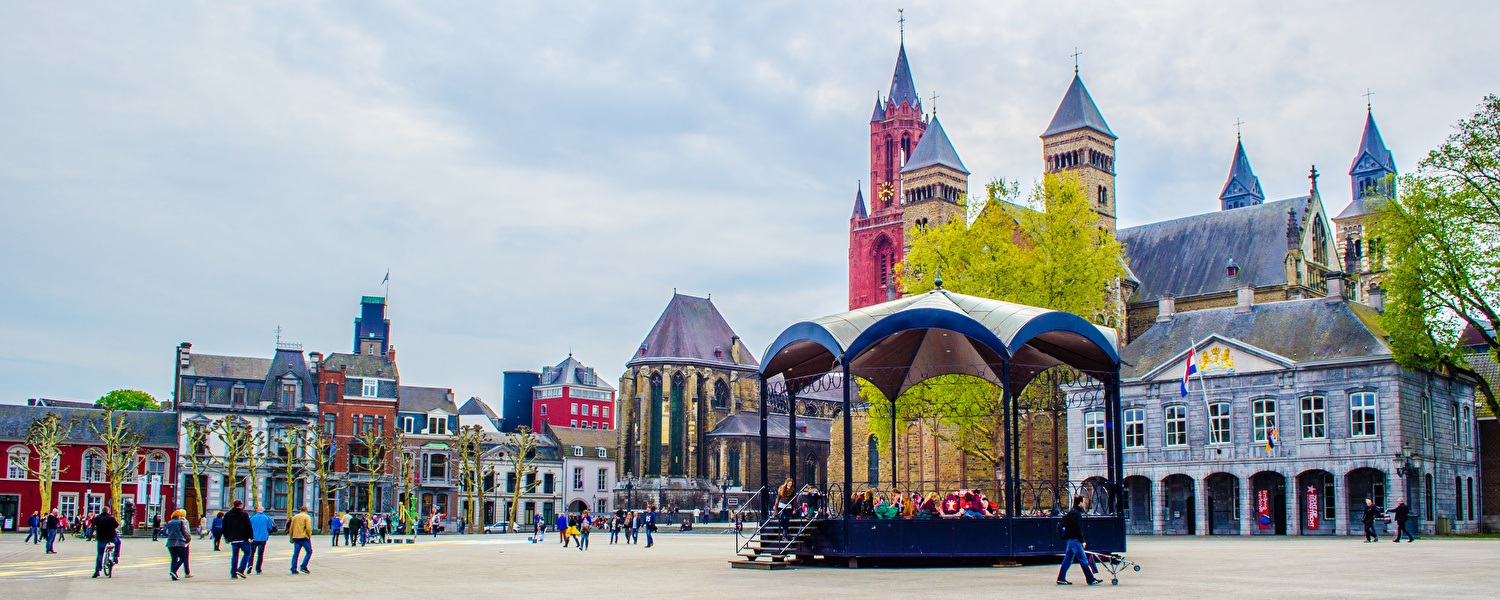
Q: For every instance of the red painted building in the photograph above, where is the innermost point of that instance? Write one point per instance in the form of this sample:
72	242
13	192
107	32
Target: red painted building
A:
876	235
572	395
80	486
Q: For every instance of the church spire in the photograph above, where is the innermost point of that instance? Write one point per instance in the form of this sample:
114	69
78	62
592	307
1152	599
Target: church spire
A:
1373	162
934	149
879	109
902	87
1243	187
1077	111
859	203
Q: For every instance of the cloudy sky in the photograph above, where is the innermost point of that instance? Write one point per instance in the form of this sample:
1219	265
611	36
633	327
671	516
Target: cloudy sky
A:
540	176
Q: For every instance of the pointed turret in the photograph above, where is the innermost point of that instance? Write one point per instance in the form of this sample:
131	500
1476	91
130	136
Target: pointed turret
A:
934	149
1077	111
1373	163
1243	187
859	204
902	88
879	110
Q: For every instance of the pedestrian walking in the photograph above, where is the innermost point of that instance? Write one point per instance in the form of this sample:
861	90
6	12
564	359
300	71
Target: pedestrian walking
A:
585	525
238	533
650	523
34	528
155	527
106	531
614	529
1072	533
562	529
62	527
364	529
1372	512
539	528
1402	513
261	527
349	529
336	525
299	531
49	528
178	534
202	526
217	529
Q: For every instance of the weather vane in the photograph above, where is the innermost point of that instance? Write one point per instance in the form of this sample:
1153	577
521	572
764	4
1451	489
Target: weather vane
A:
1237	124
1368	93
902	21
935	96
1076	54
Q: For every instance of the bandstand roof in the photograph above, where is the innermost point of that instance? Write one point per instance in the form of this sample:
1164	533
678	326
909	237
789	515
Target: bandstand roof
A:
898	344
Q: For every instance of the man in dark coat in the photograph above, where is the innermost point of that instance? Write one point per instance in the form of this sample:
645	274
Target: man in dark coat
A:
1072	533
1402	512
106	532
1372	512
50	530
238	533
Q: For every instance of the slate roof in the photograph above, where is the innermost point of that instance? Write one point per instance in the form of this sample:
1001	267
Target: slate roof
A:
1373	146
227	367
691	328
879	114
475	406
934	149
1301	330
1077	111
157	428
286	361
747	424
1242	180
1186	257
902	87
859	204
419	399
572	372
362	365
59	403
589	439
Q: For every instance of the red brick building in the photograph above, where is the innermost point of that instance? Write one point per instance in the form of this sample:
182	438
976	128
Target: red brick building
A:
572	395
81	486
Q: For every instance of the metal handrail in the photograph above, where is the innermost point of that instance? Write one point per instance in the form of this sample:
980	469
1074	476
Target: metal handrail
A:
756	497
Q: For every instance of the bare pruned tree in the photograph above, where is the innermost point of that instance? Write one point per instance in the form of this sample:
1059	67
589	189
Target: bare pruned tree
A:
45	436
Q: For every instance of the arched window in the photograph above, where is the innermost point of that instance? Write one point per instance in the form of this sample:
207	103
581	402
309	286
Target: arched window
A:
16	459
890	159
677	428
1427	484
1320	243
885	265
721	395
1103	195
905	149
873	469
93	466
1458	498
653	434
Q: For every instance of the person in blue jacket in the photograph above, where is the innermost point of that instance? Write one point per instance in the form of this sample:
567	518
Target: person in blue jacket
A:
650	525
33	533
261	527
336	524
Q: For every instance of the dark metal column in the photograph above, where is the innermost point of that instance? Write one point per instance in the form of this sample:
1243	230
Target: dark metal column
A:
893	444
848	450
791	427
1007	407
764	470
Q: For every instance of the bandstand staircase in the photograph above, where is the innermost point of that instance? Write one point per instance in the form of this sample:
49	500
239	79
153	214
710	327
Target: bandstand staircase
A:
772	547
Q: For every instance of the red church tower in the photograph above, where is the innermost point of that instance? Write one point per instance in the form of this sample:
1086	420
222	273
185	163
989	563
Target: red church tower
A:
876	236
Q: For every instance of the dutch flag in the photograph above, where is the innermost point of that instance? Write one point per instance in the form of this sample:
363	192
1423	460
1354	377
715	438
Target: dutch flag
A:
1192	368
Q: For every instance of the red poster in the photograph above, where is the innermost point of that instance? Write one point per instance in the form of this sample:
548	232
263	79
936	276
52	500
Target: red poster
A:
1313	511
1263	508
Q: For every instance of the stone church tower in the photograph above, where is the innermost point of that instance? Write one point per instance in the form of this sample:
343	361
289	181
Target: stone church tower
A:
1078	141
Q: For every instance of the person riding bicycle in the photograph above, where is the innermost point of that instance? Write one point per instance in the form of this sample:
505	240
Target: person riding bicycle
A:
106	532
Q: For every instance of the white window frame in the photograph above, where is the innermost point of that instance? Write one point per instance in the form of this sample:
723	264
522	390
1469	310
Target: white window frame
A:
573	408
1093	430
93	476
603	453
16	461
369	388
1175	426
93	503
1466	427
1135	428
544	410
409	424
1427	417
1313	424
573	423
1368	425
1220	423
602	480
1262	418
577	450
606	412
437	425
67	503
578	478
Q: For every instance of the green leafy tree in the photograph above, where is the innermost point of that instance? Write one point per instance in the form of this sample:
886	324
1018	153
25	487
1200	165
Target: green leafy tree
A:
1046	251
1439	241
127	400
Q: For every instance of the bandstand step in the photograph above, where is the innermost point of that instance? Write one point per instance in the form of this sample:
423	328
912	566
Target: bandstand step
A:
764	566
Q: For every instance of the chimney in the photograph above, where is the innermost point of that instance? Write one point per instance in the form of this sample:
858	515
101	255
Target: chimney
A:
1166	306
734	349
1245	299
1335	282
1377	297
184	355
315	360
390	353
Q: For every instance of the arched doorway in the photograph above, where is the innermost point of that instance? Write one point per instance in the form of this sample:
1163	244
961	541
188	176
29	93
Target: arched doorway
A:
1137	506
1180	504
1315	498
1268	500
1363	483
577	506
1223	504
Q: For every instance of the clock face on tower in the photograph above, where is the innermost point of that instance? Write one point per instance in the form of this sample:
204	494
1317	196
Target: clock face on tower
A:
887	192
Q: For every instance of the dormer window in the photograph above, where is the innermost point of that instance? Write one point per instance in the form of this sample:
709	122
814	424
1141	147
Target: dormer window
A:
237	394
288	392
577	450
602	453
200	392
371	388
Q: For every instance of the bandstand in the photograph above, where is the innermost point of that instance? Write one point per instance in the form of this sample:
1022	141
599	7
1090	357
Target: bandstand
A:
897	345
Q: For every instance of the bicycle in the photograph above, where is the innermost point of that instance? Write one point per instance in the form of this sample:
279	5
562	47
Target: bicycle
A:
109	560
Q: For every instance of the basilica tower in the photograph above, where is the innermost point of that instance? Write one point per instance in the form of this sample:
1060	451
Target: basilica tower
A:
876	236
1078	141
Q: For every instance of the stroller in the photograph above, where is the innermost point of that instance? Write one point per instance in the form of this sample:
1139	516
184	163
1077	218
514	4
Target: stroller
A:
1113	563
